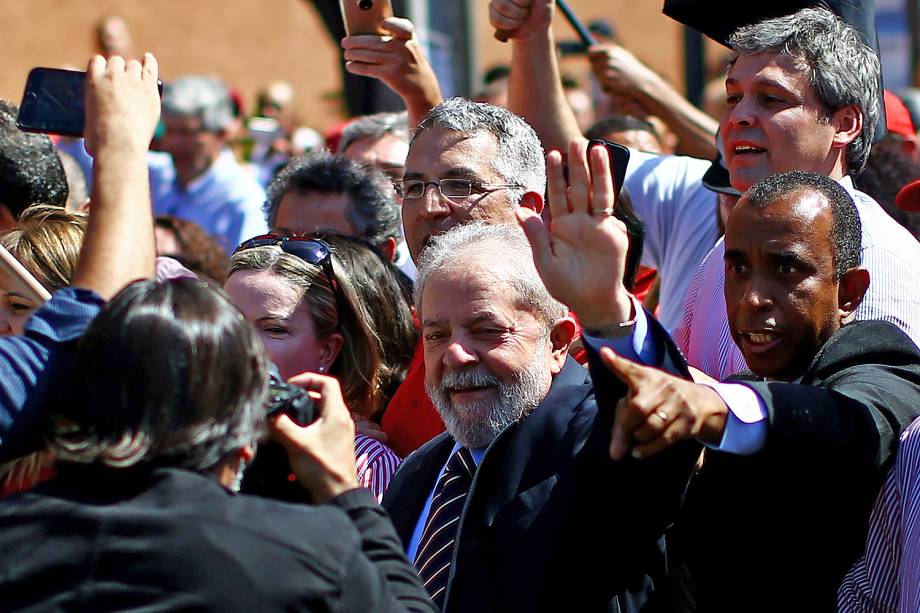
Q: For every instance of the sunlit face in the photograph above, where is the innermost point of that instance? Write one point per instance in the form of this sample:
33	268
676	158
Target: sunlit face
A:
301	214
488	361
445	154
274	306
774	122
15	307
780	291
387	153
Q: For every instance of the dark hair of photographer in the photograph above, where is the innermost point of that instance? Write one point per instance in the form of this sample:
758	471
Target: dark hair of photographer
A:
169	374
384	294
30	169
887	170
188	243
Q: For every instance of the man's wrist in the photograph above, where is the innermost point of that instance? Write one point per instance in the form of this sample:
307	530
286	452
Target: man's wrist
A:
622	312
715	415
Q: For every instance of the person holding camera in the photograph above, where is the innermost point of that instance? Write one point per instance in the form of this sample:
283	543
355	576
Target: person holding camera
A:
157	409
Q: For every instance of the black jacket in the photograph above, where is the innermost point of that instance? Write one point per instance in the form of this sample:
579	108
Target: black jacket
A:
777	530
172	540
551	522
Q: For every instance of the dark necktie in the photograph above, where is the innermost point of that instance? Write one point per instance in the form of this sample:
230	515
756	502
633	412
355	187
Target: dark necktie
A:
436	547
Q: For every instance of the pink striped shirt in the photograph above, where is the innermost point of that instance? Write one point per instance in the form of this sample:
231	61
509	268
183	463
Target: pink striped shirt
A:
887	576
376	464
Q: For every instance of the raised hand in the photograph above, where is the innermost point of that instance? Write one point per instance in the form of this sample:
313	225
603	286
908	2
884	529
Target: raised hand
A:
522	18
322	453
660	410
581	256
398	61
621	73
122	104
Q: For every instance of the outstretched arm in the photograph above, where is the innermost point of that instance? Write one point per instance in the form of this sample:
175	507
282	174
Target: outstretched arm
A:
622	74
398	61
322	456
535	86
122	110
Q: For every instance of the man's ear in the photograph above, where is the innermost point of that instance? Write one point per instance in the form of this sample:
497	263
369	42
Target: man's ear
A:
388	249
560	338
848	123
532	201
850	291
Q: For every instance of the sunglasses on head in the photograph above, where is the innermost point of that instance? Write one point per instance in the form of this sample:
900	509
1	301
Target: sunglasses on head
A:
311	250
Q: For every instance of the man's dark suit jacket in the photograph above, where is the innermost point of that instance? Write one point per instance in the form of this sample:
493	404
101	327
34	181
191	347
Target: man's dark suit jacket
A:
551	522
777	530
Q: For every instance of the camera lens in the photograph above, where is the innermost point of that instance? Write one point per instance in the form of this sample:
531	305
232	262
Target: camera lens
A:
365	5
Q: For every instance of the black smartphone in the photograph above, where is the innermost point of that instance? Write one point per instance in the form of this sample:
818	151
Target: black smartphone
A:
53	102
619	160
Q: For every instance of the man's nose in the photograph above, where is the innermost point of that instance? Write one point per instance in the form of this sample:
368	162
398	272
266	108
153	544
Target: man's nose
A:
458	354
757	296
742	113
431	203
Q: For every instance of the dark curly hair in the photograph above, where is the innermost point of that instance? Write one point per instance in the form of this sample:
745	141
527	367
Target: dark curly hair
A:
30	170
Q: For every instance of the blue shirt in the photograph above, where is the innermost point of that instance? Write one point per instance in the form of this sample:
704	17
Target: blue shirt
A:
225	200
30	363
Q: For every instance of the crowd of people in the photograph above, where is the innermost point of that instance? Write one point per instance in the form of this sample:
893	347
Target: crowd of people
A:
445	362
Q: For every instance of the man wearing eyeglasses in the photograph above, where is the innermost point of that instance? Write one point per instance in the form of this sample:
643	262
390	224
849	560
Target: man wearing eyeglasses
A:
467	161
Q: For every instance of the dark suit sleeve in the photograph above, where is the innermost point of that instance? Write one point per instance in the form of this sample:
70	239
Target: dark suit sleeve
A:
379	577
654	487
854	418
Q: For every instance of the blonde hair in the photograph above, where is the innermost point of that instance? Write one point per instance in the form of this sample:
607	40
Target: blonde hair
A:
47	241
358	366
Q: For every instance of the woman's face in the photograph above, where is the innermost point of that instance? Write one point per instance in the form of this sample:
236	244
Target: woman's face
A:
275	308
15	308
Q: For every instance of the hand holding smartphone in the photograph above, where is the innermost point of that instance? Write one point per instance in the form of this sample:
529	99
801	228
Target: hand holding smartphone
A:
365	16
54	102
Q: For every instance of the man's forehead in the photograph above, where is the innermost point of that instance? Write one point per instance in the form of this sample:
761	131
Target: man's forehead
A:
797	215
443	146
769	66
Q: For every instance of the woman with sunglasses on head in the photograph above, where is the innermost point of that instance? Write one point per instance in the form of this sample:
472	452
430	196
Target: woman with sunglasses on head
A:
310	319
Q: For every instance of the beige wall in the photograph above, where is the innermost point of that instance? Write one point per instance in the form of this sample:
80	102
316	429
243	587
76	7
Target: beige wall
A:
253	42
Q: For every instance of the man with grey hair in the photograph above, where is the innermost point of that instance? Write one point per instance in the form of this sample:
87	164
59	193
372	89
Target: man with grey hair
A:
802	94
483	162
512	508
468	161
200	180
380	140
320	191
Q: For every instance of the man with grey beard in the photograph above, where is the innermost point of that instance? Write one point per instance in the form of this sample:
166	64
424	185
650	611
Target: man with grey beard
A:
512	507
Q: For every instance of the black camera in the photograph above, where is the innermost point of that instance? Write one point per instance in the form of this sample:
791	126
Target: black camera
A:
270	473
365	5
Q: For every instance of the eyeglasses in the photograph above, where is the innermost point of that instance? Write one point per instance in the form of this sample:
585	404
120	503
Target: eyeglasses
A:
311	250
452	189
